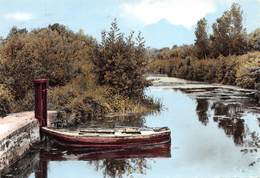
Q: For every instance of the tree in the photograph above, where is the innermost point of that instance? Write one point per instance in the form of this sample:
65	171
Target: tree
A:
120	62
238	33
254	40
220	37
229	36
54	53
16	31
202	40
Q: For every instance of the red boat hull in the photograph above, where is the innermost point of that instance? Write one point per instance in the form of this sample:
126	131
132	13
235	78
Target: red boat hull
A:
107	142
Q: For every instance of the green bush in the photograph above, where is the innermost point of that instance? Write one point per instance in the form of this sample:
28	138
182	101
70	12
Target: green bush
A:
6	99
119	62
81	100
254	40
24	104
177	52
54	53
245	76
230	70
159	66
87	80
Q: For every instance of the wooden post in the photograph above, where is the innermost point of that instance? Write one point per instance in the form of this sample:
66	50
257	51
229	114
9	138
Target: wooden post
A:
40	108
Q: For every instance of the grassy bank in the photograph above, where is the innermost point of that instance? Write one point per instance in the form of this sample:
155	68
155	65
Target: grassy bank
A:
230	70
87	79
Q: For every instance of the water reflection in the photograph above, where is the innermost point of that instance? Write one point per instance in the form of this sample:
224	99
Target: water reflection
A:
202	109
113	163
215	133
227	112
23	168
120	167
42	169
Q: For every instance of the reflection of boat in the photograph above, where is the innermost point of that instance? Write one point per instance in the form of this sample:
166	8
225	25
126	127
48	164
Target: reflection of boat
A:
125	137
38	158
121	157
162	150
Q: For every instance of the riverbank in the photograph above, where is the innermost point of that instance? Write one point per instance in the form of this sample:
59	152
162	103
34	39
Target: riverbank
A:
86	82
215	131
18	132
178	83
242	71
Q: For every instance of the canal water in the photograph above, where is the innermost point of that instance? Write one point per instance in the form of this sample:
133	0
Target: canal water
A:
215	134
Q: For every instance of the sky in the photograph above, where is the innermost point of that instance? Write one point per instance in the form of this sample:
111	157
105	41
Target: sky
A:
163	23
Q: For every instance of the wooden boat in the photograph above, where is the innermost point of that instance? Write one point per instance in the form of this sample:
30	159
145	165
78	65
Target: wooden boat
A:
124	137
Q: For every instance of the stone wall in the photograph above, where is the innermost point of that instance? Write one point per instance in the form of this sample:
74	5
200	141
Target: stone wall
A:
21	131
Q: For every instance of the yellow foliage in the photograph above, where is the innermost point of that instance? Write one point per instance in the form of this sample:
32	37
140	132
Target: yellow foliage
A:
245	76
231	70
5	100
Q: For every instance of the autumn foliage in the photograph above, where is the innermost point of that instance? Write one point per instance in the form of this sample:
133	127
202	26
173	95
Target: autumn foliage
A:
86	79
119	62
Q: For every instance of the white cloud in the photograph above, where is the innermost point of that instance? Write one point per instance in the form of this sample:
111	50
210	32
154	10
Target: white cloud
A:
19	16
178	12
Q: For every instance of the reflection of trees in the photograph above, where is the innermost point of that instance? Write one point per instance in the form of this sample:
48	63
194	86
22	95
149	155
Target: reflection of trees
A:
22	168
202	109
229	118
119	167
228	112
233	127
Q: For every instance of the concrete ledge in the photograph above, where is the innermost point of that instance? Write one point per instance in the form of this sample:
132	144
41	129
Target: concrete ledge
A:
12	122
17	132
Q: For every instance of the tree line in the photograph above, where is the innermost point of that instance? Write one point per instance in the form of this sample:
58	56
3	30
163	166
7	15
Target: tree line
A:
227	55
227	37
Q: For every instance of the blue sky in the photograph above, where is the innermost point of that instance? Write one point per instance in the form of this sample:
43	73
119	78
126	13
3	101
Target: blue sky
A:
163	23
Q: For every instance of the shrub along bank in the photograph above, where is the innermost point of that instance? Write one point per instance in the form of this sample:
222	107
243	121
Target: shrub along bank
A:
230	70
86	78
5	99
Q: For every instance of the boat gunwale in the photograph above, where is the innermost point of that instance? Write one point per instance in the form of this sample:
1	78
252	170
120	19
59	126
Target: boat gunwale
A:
76	134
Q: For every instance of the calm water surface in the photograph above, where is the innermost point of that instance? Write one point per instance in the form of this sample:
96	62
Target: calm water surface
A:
215	134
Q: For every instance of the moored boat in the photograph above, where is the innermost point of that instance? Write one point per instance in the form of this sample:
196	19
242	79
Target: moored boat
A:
123	137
